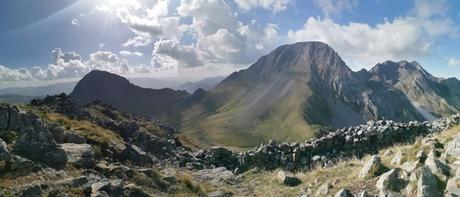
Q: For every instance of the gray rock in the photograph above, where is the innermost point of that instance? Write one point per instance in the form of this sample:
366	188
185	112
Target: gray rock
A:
4	155
73	137
453	147
20	166
343	193
38	144
79	154
437	167
387	183
452	187
410	166
397	159
32	190
73	182
137	155
323	190
288	178
216	176
134	190
371	168
57	132
364	193
427	184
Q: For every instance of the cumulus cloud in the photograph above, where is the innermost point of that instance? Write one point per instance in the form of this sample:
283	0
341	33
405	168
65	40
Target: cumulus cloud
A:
335	7
221	37
184	55
153	24
70	65
273	5
454	62
131	53
363	45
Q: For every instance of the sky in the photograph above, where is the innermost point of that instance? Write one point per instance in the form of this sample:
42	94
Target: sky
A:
48	41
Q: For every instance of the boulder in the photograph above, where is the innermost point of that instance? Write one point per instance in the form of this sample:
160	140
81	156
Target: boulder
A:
373	167
79	154
20	166
427	184
323	190
343	193
364	193
437	167
397	159
216	176
388	183
134	190
137	155
57	132
38	144
410	166
453	147
4	155
452	187
31	190
73	137
288	178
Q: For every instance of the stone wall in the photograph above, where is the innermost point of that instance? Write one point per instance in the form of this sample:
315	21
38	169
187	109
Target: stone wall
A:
343	143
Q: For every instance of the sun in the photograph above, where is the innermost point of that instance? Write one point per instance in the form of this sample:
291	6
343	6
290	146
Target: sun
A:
110	5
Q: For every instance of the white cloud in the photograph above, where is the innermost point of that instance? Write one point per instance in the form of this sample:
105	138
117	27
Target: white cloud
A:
221	37
131	53
454	62
71	65
75	22
186	56
335	7
363	45
273	5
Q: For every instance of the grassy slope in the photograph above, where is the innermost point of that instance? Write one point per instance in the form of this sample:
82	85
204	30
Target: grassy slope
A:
229	126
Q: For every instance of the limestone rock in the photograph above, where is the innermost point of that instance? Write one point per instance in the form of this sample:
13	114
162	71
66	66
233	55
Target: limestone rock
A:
323	190
388	183
427	184
371	168
79	154
31	190
397	159
343	193
38	144
287	178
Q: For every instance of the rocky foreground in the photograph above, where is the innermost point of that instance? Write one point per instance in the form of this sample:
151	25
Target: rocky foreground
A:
54	147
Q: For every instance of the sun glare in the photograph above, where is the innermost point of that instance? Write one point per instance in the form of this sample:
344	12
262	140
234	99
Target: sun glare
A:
110	5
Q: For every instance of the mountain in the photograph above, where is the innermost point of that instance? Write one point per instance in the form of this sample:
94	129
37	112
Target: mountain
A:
298	89
40	90
205	84
118	91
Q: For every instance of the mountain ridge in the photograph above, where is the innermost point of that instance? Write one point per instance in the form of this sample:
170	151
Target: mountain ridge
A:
263	101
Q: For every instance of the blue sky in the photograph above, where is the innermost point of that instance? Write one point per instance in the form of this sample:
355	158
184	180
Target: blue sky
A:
44	41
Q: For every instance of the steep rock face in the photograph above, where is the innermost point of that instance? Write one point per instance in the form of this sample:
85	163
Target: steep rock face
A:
287	93
118	91
423	90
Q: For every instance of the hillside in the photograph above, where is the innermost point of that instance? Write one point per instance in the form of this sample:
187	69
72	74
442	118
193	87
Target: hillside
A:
298	90
118	91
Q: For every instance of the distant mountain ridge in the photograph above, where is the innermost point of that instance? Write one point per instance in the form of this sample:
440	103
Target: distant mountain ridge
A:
118	91
287	93
293	93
